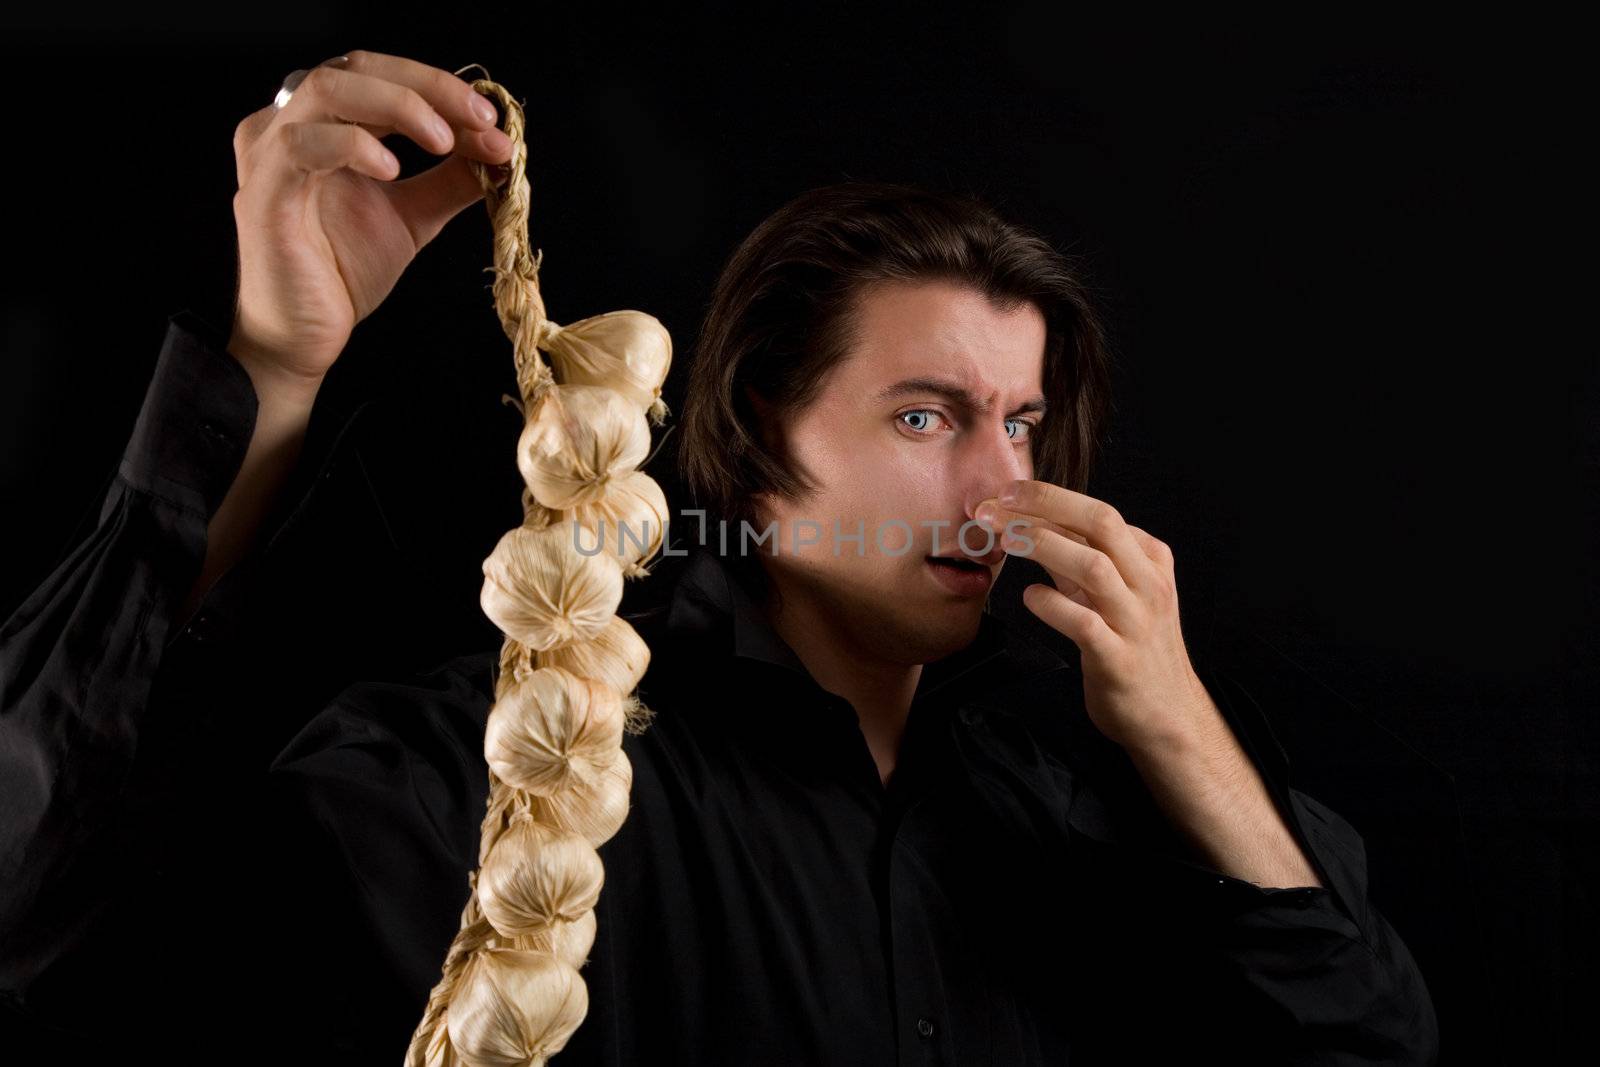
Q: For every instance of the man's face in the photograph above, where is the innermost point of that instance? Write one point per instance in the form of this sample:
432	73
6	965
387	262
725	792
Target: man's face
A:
903	461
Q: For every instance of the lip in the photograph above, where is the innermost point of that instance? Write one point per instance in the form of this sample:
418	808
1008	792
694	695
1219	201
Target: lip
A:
988	559
967	583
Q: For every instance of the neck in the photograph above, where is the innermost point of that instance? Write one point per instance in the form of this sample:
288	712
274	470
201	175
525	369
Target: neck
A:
880	690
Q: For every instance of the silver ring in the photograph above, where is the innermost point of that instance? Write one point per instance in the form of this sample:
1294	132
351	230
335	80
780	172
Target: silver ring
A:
292	82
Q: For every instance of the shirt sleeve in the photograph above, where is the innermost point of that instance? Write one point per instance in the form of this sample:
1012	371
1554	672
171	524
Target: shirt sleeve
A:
1298	975
80	655
389	789
1325	974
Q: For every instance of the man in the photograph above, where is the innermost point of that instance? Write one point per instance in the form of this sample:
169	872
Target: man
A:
871	822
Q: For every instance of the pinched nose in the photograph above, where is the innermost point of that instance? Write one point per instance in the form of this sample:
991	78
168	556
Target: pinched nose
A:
993	461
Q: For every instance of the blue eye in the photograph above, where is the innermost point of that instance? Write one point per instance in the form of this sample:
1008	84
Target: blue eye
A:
1027	429
926	415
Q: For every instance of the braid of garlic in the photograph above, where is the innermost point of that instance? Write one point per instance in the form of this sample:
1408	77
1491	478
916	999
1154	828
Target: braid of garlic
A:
510	991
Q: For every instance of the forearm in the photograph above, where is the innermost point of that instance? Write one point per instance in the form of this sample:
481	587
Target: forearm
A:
1207	787
1311	970
283	414
80	656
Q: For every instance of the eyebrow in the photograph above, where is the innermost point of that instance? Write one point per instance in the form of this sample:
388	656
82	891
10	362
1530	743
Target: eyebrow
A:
956	394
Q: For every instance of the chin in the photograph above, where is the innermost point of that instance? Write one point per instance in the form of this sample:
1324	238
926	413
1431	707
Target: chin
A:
940	634
903	620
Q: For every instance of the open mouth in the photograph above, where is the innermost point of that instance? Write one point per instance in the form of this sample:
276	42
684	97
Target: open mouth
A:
961	575
957	562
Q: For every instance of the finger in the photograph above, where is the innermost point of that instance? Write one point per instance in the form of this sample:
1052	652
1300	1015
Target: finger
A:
383	107
486	146
1085	626
489	146
245	137
1078	566
428	200
330	93
449	95
1072	590
1100	523
254	125
1157	550
298	149
250	128
1001	518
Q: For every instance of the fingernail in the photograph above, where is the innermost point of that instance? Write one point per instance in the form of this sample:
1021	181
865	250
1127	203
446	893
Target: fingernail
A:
496	141
485	110
1009	496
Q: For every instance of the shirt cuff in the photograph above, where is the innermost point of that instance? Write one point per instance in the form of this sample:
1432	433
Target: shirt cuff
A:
196	421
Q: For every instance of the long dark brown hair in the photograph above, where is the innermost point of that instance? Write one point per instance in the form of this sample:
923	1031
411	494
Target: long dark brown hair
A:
782	314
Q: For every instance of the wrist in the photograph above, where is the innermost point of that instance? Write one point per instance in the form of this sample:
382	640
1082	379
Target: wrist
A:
276	383
1193	734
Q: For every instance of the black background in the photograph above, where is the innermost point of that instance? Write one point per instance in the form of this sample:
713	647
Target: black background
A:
1329	251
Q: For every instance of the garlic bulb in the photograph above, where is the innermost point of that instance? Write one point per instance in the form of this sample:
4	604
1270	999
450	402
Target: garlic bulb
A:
567	941
537	876
628	522
595	803
548	722
580	438
515	1007
629	351
617	656
541	592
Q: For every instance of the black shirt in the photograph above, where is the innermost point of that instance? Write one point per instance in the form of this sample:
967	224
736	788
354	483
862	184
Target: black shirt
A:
216	839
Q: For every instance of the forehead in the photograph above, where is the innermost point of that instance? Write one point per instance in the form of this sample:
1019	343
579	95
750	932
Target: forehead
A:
942	328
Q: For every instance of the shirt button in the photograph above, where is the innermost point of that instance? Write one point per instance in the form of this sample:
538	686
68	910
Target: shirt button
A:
200	627
925	1027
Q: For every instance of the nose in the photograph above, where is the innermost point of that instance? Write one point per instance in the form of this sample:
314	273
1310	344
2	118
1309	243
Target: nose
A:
995	461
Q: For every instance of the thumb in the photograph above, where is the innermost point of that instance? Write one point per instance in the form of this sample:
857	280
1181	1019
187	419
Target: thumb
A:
428	200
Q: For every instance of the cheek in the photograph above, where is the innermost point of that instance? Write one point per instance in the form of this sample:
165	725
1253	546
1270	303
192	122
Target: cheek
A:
892	477
870	475
852	459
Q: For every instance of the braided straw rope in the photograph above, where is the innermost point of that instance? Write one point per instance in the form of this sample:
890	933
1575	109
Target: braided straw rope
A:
510	991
